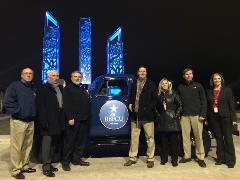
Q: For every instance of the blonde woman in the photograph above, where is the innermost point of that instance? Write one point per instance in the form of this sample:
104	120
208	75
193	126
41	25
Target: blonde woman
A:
168	107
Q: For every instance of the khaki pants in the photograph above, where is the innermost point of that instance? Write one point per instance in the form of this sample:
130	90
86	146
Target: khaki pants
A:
21	139
186	123
149	134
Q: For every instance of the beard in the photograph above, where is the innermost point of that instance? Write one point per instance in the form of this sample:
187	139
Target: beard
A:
76	82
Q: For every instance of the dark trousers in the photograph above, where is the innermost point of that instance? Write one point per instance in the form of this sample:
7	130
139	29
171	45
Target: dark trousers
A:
48	149
169	145
74	142
222	129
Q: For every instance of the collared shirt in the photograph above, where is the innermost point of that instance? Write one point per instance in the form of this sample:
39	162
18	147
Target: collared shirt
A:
59	96
140	85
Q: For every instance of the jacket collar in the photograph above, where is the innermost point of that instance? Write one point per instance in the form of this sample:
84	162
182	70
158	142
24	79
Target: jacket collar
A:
188	83
75	85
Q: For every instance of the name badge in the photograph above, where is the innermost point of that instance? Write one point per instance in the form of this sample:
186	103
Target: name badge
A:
215	110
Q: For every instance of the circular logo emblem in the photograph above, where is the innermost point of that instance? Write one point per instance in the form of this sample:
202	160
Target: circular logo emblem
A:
113	114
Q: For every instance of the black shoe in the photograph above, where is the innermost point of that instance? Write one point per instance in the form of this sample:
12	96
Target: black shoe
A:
150	164
48	173
219	162
28	170
66	167
183	160
230	166
81	163
53	168
129	163
19	176
174	163
201	163
163	162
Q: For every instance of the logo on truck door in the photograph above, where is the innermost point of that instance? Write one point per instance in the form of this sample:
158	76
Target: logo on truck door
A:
113	114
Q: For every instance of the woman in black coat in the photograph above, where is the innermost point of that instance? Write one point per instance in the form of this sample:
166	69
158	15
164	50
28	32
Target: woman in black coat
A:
168	107
221	115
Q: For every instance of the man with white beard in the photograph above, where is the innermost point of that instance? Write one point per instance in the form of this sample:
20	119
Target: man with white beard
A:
76	104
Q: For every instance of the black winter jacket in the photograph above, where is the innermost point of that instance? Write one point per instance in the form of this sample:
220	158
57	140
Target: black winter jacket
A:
168	120
76	102
193	99
50	119
147	101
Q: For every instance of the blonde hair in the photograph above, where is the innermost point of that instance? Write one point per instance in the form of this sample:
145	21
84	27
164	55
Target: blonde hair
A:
160	90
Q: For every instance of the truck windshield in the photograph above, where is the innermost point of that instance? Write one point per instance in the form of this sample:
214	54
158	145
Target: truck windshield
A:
115	87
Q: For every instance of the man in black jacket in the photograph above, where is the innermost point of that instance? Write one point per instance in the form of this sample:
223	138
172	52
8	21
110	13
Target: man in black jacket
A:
77	108
19	101
142	104
194	112
50	115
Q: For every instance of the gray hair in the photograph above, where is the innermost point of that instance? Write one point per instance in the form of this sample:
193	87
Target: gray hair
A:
51	72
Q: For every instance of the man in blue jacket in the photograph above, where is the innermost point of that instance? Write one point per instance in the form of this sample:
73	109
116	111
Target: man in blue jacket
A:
19	101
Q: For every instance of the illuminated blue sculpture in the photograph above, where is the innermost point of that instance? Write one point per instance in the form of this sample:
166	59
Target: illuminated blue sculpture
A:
51	46
85	58
115	63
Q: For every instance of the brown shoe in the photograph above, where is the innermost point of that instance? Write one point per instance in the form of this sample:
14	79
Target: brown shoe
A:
150	164
129	163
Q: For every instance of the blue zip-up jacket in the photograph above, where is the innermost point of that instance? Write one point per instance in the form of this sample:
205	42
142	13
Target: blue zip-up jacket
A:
19	101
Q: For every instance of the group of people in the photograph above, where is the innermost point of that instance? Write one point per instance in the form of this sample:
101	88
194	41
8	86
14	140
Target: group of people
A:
182	110
63	112
59	114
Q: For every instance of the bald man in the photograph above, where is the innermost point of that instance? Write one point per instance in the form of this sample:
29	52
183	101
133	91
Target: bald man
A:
19	101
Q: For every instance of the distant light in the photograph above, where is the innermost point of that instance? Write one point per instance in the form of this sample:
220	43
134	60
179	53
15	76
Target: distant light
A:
85	49
51	46
49	17
114	91
115	61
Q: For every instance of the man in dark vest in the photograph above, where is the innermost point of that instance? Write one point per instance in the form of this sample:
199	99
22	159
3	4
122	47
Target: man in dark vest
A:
142	104
77	109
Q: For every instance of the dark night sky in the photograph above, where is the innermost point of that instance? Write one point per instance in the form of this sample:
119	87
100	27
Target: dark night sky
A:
165	35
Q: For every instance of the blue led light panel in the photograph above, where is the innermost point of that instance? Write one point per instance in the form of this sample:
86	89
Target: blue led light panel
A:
115	61
51	46
85	58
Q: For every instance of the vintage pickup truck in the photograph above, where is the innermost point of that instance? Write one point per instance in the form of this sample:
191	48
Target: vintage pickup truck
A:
110	121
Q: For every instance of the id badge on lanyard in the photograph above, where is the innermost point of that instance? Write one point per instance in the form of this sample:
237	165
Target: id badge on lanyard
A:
215	110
